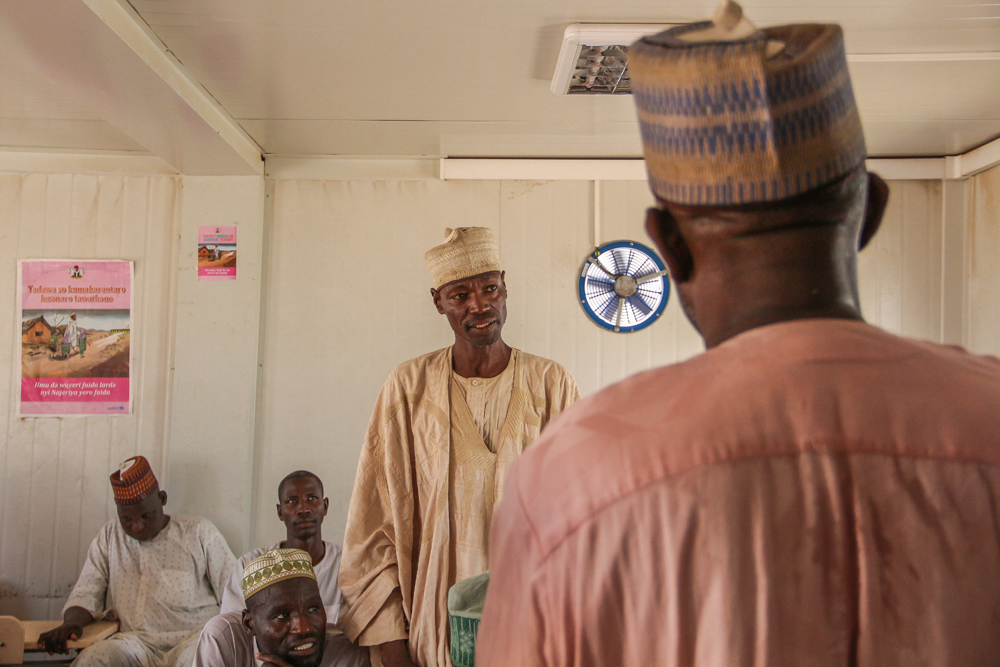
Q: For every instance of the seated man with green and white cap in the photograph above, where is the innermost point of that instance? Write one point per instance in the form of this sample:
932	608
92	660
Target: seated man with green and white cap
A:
283	625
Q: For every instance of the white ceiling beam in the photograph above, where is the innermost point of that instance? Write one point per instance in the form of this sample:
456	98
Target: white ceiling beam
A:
635	170
976	160
542	170
83	162
335	168
106	54
963	56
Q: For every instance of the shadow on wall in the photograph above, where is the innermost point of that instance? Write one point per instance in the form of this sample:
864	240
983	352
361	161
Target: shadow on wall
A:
16	601
195	489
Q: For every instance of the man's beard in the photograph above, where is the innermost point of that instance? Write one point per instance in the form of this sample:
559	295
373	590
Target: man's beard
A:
305	661
479	342
486	342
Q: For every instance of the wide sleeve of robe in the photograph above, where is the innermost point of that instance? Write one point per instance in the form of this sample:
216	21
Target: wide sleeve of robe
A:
370	568
91	589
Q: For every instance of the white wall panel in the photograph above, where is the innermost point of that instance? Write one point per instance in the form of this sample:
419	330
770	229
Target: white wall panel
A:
54	493
983	264
210	458
347	296
900	273
346	300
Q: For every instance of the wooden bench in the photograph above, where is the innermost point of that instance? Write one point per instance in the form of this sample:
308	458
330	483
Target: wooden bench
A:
18	637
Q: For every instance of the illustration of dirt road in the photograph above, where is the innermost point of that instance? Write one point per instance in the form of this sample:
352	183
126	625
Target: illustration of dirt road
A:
106	357
228	258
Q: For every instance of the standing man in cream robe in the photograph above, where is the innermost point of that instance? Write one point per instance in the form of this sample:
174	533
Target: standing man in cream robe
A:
445	429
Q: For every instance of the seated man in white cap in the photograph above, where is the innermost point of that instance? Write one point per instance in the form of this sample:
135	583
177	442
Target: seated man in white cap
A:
284	623
302	508
809	491
443	433
162	576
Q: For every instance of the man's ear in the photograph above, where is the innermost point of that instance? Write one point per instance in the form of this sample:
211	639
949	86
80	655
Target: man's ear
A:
163	497
247	621
878	199
436	296
278	507
662	228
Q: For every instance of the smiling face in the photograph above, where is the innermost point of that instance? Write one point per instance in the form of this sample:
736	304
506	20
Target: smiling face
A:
302	506
289	621
144	520
476	307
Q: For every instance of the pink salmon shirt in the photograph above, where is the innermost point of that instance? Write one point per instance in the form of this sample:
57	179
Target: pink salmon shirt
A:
817	492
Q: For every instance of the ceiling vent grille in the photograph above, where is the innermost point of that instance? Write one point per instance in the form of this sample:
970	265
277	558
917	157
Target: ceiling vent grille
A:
594	57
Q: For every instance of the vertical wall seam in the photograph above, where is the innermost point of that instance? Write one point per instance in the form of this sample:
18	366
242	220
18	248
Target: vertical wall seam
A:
34	422
259	426
173	271
146	298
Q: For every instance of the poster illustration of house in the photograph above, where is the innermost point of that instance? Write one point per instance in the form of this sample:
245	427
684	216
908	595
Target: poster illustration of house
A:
76	331
217	253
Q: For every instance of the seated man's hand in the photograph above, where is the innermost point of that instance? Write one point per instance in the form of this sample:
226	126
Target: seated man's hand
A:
54	641
396	654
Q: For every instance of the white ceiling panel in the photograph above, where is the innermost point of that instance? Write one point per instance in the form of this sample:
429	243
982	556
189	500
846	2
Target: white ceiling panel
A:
36	111
380	77
898	138
64	134
460	78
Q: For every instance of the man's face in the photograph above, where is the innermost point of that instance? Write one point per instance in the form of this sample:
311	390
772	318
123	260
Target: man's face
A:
289	621
302	507
144	520
476	307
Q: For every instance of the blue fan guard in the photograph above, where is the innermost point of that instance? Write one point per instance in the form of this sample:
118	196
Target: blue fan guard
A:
623	286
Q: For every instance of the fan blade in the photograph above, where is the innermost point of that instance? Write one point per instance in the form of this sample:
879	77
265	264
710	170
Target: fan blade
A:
596	263
614	258
651	276
607	308
600	281
639	304
628	266
618	317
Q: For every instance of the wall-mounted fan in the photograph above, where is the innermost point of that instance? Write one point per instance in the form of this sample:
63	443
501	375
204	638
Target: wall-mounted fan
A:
623	286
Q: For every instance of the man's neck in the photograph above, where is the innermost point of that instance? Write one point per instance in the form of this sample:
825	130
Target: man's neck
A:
480	362
313	545
746	297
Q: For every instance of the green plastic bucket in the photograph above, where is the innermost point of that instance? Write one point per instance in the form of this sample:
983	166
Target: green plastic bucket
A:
463	640
465	607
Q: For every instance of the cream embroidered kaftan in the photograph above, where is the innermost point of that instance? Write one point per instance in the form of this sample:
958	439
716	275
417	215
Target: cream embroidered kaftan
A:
423	498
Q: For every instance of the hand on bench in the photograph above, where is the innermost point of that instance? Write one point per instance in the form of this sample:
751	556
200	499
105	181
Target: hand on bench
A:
54	641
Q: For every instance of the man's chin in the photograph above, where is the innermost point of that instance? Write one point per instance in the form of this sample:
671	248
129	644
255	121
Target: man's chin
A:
304	661
485	340
311	660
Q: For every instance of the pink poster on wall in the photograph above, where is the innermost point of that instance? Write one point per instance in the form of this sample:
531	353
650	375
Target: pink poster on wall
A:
76	330
217	253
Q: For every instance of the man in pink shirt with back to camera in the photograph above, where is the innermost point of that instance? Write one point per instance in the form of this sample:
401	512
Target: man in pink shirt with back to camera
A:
809	491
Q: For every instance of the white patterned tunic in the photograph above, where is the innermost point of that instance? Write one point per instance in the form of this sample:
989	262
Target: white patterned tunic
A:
162	591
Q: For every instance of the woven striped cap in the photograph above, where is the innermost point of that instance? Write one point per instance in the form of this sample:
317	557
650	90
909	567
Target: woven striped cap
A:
133	481
466	252
274	566
756	119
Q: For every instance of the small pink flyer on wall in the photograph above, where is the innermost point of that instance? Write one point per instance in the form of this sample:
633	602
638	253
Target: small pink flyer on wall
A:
217	253
76	337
